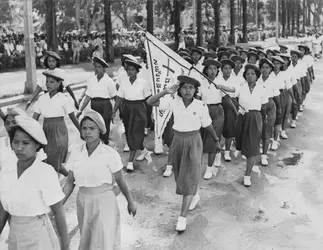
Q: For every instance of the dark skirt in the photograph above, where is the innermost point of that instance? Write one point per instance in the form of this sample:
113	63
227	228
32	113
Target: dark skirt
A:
135	120
267	131
186	154
230	117
150	123
217	115
286	111
283	103
168	133
104	108
248	133
57	141
297	90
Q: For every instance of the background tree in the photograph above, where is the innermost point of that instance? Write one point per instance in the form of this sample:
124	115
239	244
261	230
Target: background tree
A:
176	19
217	22
244	21
150	16
51	25
283	17
298	14
108	31
121	8
199	40
232	21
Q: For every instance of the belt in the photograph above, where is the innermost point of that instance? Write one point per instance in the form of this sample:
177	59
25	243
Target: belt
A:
213	104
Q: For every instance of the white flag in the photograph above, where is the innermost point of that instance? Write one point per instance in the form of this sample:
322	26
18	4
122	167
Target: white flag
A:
165	65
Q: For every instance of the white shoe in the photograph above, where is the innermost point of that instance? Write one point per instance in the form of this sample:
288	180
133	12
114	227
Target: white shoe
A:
244	157
227	156
146	131
274	145
181	224
168	171
283	135
130	166
215	170
142	155
217	161
296	119
264	160
301	108
247	181
126	148
195	201
208	173
293	124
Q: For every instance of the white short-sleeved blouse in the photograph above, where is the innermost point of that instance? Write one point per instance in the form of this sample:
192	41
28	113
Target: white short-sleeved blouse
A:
42	80
58	105
96	169
190	118
232	81
138	90
254	100
270	86
209	93
282	80
33	193
105	88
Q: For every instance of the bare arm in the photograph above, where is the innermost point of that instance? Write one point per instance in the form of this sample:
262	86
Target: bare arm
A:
3	218
68	186
226	88
60	221
117	104
70	91
154	100
85	103
75	121
211	131
132	209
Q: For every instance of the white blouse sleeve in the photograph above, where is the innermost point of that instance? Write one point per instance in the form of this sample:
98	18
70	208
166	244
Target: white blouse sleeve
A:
50	187
146	90
120	92
205	116
115	164
88	91
112	88
165	103
264	97
68	105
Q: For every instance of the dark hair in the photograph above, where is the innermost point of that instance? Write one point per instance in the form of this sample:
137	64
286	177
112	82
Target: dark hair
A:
58	64
206	68
181	85
13	131
88	118
258	73
264	62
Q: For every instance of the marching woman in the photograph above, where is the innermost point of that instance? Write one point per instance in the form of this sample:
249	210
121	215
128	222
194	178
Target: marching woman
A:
230	111
211	95
92	167
273	104
290	81
285	87
252	57
252	97
54	106
100	91
190	115
52	62
132	95
197	54
239	65
29	190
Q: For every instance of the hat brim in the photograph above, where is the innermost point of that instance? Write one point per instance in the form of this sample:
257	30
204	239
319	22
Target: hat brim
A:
48	74
100	61
187	79
227	62
132	63
238	58
209	62
250	54
251	66
53	54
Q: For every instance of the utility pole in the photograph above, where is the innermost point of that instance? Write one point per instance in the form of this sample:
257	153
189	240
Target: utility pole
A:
30	83
277	19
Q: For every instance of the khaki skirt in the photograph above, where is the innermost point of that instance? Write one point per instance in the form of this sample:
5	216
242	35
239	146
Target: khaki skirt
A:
186	156
217	116
57	137
99	218
32	233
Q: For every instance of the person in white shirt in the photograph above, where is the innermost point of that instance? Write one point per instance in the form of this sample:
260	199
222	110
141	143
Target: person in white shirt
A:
298	72
196	54
252	57
230	111
53	107
190	115
239	66
273	107
101	89
285	87
305	79
289	82
52	62
93	166
211	94
29	190
253	99
133	94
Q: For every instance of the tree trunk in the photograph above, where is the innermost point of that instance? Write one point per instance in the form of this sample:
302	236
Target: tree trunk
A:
86	16
232	21
177	21
298	8
77	14
304	15
199	40
293	17
51	25
150	16
244	21
108	31
288	16
308	13
283	12
125	15
216	9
